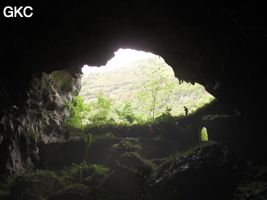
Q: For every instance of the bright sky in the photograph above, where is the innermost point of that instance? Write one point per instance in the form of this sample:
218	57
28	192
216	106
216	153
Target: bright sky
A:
122	57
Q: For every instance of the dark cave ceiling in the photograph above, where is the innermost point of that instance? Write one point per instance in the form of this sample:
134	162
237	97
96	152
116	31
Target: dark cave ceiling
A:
219	45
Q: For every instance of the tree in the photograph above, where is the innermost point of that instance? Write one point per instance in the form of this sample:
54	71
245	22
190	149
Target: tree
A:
157	84
126	114
102	107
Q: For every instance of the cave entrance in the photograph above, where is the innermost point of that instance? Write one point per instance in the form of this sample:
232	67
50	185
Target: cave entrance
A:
204	135
141	84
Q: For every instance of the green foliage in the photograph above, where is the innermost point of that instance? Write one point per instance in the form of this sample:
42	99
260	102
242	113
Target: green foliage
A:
126	114
79	112
158	83
99	137
126	145
165	116
74	173
37	174
132	144
5	184
145	94
159	138
101	109
125	83
109	135
89	141
101	170
90	175
97	112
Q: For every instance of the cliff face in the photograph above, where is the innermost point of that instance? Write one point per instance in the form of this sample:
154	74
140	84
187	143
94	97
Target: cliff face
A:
39	119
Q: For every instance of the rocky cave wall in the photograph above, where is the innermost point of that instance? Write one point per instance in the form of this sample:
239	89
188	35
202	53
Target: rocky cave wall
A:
40	119
219	45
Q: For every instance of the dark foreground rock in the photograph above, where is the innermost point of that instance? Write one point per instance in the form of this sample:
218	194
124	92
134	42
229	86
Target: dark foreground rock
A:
124	160
254	183
78	192
210	172
35	186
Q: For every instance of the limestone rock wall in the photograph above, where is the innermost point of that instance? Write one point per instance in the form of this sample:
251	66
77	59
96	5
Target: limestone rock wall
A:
49	97
40	120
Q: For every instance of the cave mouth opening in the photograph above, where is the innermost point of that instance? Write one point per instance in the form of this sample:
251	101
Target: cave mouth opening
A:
204	135
143	84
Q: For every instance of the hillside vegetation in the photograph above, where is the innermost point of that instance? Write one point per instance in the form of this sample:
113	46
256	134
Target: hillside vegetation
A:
147	88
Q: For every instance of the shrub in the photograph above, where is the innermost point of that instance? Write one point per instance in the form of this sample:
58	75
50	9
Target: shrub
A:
165	116
126	114
90	175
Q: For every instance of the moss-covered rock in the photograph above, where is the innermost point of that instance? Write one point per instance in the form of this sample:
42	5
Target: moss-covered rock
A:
134	160
128	145
125	145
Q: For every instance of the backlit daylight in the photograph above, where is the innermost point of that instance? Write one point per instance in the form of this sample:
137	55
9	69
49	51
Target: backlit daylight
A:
144	84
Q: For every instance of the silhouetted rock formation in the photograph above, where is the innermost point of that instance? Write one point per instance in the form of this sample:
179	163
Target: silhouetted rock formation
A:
211	172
